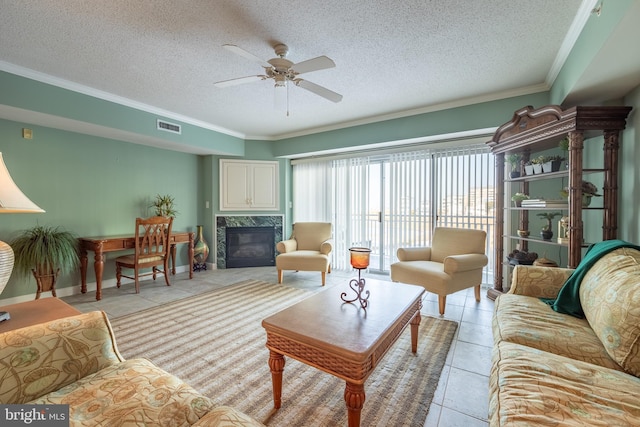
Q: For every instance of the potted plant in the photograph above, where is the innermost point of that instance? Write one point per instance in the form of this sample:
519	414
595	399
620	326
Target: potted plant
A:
547	230
514	160
537	164
164	206
528	168
45	252
518	198
551	163
589	190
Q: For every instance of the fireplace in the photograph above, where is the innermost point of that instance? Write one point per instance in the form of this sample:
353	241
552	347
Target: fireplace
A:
250	247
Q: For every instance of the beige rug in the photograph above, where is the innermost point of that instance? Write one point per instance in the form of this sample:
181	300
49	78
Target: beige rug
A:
215	342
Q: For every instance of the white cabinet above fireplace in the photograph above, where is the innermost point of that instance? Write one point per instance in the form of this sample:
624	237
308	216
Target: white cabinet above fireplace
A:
248	185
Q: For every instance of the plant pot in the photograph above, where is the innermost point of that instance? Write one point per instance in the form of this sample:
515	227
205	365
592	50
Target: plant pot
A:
517	203
46	281
514	174
546	234
523	233
553	166
528	169
586	200
537	169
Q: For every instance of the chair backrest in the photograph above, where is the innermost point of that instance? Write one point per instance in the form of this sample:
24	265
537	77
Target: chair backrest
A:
456	241
311	235
153	236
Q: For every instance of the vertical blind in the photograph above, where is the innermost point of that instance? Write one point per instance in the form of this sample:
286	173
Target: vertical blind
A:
418	190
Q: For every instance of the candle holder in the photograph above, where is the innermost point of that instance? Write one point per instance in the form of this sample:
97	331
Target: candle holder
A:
359	261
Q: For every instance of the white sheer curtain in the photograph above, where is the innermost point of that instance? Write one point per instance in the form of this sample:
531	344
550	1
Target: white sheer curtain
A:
350	207
312	191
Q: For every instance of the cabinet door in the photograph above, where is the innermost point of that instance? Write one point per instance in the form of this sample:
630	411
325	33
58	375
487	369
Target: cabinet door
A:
248	185
234	188
264	186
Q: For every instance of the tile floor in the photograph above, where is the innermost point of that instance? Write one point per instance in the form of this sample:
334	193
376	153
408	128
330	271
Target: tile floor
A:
461	398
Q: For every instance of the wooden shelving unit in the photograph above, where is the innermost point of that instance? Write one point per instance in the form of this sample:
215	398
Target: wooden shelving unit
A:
534	130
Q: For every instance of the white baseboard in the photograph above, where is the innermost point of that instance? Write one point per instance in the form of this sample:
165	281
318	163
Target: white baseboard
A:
91	287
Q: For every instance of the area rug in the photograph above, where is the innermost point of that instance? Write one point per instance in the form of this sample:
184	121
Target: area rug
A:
216	343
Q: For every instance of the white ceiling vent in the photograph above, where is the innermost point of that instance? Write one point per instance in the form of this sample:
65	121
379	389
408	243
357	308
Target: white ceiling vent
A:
169	127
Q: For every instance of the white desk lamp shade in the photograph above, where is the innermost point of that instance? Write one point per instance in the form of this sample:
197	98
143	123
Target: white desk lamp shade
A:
12	200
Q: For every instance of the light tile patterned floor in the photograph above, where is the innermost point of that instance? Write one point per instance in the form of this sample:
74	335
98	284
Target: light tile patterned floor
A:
462	395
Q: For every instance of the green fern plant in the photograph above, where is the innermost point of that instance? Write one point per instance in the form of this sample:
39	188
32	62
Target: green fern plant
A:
44	249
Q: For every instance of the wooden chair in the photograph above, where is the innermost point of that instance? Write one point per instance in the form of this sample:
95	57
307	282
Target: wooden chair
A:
152	245
453	262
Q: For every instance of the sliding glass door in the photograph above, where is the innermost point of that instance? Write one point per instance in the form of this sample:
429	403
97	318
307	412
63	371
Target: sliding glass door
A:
389	201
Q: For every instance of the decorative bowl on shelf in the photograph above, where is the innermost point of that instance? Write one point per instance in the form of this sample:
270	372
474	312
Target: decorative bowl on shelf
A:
523	233
521	257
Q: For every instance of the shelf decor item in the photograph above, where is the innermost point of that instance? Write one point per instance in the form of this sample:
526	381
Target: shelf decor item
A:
518	198
200	251
589	190
552	163
359	261
514	160
547	231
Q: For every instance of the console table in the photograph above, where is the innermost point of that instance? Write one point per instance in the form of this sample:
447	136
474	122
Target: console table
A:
100	245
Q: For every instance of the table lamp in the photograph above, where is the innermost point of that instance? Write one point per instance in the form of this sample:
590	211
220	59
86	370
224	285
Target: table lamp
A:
12	200
359	261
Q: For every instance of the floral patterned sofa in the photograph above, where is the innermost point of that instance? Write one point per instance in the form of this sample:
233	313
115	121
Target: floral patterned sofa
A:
75	361
554	369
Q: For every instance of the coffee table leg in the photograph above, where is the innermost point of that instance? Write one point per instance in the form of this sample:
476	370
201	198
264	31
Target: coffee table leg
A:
415	322
354	398
276	364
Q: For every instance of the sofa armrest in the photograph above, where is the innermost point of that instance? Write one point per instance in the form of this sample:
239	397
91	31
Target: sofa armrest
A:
414	254
326	247
464	262
540	282
226	416
287	246
60	352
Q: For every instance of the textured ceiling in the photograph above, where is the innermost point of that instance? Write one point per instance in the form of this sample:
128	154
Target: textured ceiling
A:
392	58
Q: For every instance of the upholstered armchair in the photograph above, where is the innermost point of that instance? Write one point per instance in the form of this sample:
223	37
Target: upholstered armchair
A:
308	249
453	262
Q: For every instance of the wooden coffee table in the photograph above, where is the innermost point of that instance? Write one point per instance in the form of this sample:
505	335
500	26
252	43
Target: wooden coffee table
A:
341	338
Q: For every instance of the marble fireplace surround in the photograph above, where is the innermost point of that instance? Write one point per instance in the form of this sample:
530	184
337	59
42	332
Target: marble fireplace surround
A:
224	221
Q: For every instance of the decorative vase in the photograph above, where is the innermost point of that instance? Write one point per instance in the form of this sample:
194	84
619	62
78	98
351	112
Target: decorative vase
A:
200	251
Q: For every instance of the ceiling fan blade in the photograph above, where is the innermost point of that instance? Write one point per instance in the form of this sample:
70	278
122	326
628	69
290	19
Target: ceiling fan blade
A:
319	90
314	64
239	81
250	56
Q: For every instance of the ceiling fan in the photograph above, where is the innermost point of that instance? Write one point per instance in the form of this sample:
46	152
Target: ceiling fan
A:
283	71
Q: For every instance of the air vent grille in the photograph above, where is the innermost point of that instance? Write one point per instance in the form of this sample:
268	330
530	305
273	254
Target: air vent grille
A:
169	127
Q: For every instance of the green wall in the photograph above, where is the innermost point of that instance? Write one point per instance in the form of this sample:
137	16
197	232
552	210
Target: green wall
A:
93	187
